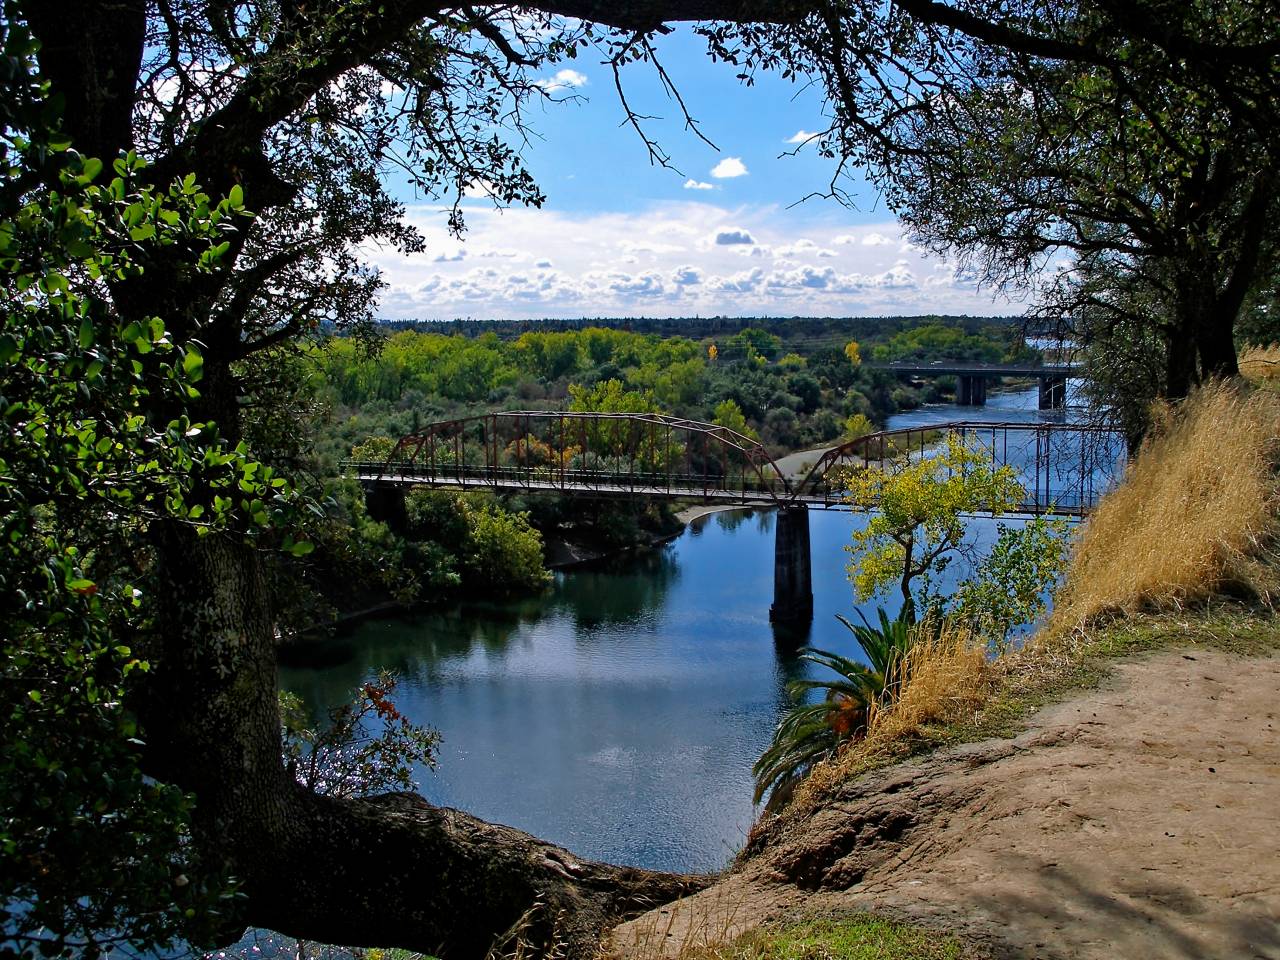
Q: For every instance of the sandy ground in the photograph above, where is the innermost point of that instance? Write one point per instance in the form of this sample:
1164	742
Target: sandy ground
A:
1141	820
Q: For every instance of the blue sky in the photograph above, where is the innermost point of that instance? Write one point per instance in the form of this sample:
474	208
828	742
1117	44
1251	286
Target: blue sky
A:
619	236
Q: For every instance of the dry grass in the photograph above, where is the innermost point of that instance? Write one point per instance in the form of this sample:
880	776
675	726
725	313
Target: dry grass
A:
1193	517
1261	364
943	676
946	677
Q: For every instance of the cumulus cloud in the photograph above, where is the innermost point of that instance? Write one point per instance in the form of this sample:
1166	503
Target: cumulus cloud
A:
745	282
897	277
692	184
728	168
727	236
804	247
800	136
563	80
803	278
639	285
686	257
876	240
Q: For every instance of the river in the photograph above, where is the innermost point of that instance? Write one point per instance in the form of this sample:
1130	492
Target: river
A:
619	713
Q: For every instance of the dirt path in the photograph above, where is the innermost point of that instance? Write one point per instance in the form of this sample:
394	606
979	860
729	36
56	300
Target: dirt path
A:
1140	820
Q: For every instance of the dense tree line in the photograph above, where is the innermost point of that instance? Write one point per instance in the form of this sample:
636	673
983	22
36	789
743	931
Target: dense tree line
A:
794	387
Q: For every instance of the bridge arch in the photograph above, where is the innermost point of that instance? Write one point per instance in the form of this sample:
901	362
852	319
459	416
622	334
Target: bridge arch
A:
631	454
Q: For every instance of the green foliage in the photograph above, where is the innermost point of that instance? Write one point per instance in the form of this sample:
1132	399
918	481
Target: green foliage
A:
93	448
728	414
937	341
373	449
917	525
860	937
1011	584
858	426
502	550
811	732
346	758
468	540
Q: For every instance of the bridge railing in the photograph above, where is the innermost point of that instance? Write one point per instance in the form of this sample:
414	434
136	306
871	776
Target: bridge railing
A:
566	479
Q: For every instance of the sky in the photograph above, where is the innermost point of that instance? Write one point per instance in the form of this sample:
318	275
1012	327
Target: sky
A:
728	232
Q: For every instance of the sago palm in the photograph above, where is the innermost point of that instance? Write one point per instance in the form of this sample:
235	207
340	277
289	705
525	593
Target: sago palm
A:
810	732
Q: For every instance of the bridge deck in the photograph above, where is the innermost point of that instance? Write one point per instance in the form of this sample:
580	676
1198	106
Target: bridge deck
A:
680	488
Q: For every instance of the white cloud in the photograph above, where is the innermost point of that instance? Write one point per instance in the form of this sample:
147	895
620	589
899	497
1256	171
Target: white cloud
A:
692	184
800	136
650	247
802	278
844	240
798	248
728	168
685	257
876	240
563	80
729	236
745	282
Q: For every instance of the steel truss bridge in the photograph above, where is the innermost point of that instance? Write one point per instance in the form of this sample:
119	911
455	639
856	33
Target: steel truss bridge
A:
1064	467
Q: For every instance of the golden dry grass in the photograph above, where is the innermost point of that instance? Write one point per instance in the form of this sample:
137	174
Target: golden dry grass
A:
1261	364
943	676
945	679
1195	515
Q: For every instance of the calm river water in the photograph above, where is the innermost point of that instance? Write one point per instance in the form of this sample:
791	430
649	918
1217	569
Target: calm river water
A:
619	714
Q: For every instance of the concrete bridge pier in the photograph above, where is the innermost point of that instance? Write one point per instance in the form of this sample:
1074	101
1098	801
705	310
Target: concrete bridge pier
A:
792	574
971	391
385	502
1053	393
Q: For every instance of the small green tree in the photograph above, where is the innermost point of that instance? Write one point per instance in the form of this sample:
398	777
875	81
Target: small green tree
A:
729	415
917	526
858	425
1011	584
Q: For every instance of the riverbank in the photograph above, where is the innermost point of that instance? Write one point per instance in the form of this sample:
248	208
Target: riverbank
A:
1124	807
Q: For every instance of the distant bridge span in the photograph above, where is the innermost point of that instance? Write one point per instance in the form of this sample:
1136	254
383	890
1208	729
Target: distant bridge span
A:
1064	468
971	377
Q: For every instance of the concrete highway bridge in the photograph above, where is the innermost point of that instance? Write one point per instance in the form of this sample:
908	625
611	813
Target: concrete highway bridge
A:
1064	469
972	378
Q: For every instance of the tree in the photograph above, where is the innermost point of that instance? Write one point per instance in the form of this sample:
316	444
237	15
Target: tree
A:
1139	183
280	109
917	527
729	414
853	353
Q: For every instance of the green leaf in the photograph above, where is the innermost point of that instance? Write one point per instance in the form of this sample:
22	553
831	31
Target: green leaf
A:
193	363
236	197
86	332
